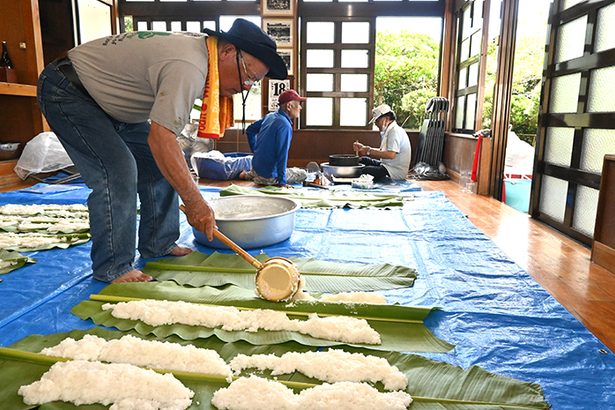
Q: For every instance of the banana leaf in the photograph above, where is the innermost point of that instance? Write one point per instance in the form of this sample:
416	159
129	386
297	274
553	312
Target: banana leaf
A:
11	260
433	385
401	328
217	269
63	241
322	198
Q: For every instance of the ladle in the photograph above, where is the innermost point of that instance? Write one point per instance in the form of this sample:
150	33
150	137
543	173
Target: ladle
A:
277	279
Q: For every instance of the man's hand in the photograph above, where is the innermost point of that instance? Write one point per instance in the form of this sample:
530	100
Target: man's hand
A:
201	216
357	147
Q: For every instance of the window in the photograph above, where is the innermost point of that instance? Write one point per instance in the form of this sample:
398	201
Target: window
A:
468	61
407	65
337	71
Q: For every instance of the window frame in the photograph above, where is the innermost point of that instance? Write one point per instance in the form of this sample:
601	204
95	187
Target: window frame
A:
337	12
472	59
337	46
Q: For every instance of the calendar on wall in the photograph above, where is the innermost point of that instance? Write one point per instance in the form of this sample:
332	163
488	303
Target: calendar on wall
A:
276	87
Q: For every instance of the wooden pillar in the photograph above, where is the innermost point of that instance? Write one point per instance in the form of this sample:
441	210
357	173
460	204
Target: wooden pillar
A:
502	95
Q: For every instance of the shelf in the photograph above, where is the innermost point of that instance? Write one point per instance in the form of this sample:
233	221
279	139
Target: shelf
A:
21	90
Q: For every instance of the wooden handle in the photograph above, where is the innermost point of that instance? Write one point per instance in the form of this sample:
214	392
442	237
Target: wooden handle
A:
228	242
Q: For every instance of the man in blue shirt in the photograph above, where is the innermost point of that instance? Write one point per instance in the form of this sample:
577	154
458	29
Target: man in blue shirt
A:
270	138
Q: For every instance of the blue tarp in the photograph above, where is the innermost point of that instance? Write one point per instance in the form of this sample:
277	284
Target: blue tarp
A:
496	314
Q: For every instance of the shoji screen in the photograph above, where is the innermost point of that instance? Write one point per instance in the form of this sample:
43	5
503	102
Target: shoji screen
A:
577	121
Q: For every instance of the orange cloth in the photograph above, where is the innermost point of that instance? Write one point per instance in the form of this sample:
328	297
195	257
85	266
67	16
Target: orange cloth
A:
216	111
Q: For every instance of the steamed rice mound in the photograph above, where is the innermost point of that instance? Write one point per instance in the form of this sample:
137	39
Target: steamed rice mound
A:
331	366
145	353
122	385
249	393
162	312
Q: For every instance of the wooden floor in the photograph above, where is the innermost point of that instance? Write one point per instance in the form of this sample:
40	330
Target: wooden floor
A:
559	264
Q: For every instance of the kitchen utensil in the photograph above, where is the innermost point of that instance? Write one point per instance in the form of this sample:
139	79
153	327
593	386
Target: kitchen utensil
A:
9	150
341	171
277	279
343	160
252	221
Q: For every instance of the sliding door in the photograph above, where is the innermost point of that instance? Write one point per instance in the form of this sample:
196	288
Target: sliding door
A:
577	120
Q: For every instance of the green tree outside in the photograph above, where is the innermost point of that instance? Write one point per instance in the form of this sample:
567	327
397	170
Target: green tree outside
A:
406	77
128	24
406	74
527	79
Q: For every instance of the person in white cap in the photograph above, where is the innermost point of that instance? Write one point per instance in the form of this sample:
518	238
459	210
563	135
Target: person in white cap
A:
392	158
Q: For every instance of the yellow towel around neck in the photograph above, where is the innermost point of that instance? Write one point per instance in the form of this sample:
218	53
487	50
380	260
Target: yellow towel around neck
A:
216	111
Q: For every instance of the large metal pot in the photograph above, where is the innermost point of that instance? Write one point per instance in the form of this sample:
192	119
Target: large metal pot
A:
343	160
251	221
341	172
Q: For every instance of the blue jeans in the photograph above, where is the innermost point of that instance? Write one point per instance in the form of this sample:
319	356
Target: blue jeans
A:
116	163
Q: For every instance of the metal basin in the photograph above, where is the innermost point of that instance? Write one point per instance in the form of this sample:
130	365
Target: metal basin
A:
341	172
9	150
251	221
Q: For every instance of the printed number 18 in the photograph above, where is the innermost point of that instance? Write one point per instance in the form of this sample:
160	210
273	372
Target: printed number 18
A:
279	88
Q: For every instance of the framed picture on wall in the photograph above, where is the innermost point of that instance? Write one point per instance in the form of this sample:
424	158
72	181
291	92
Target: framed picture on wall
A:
287	56
281	30
277	7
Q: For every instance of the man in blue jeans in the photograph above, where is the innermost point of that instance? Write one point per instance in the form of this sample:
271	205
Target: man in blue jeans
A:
98	101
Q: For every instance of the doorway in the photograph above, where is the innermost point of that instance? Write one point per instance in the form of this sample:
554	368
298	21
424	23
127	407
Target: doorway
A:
532	28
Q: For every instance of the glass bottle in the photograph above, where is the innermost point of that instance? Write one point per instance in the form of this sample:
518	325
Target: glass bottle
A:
7	70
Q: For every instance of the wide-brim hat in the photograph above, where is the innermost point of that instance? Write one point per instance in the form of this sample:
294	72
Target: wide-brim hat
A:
379	111
248	37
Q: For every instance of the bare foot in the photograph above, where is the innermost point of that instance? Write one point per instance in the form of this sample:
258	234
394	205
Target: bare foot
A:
134	275
180	251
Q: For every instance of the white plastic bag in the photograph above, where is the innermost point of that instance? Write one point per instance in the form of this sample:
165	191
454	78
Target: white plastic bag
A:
519	156
43	153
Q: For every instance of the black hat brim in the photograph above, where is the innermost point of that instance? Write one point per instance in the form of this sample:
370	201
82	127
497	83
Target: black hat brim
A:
277	67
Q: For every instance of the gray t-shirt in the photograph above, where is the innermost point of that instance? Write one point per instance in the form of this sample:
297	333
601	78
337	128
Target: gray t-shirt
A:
395	139
144	75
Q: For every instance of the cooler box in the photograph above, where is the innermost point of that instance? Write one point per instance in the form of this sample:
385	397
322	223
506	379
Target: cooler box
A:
518	193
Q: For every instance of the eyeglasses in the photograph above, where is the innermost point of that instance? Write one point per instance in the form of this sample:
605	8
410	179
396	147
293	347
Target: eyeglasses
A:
250	80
